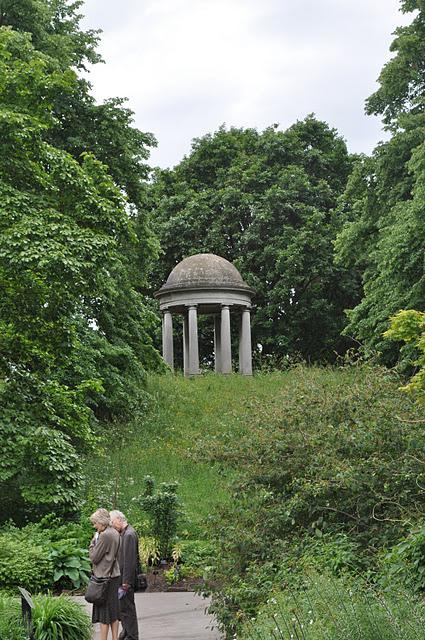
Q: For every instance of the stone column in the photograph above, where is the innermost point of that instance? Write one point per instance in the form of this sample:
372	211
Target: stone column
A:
226	344
217	343
167	338
245	352
193	341
185	345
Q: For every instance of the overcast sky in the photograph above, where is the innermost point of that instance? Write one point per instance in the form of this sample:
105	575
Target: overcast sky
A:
188	66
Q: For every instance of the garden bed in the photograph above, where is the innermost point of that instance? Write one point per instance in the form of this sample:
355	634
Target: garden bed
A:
158	582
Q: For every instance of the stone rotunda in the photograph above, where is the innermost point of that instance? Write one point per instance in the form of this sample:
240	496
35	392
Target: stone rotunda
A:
206	283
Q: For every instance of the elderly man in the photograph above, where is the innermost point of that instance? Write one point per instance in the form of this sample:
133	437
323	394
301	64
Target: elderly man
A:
128	561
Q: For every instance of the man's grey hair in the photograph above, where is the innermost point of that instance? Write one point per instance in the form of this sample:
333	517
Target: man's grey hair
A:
101	516
118	515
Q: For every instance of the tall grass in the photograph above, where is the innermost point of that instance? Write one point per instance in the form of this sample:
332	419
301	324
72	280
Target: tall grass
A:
167	443
11	626
54	618
330	609
60	618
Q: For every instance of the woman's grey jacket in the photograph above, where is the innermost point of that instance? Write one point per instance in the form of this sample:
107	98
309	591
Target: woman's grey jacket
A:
103	553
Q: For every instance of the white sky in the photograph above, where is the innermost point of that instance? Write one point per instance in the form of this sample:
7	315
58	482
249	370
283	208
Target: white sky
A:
188	66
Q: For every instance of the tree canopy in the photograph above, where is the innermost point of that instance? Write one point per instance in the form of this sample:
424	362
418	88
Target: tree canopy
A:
74	244
266	202
384	232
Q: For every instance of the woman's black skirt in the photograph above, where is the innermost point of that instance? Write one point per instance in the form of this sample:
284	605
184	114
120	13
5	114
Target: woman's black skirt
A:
107	612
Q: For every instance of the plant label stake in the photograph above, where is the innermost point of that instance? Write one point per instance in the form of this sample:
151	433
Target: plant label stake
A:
27	608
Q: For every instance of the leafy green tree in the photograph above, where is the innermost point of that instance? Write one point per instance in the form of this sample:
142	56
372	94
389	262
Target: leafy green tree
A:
266	201
384	232
409	327
64	279
54	26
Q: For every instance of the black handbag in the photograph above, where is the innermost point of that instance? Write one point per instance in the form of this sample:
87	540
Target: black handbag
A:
141	582
97	590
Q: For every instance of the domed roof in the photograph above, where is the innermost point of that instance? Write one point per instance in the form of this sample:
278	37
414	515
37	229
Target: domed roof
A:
204	270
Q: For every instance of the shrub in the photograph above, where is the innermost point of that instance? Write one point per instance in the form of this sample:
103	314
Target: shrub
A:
71	565
60	618
63	546
162	507
11	625
197	553
24	564
405	562
331	470
336	553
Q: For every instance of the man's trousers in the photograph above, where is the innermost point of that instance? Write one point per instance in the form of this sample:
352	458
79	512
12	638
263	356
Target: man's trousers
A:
128	617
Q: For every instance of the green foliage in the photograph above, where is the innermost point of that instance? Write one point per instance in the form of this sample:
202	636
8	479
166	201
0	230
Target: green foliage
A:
60	619
148	551
70	564
405	562
409	326
11	626
74	334
401	82
162	507
384	231
47	554
337	553
55	29
197	554
266	202
337	610
24	564
81	125
330	472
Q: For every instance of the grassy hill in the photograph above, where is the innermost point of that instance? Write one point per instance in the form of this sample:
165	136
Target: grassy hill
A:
187	420
181	417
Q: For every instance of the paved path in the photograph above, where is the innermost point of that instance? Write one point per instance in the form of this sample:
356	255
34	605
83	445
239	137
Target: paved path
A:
171	616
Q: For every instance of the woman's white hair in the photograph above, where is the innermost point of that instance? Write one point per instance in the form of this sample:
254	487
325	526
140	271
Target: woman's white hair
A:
101	516
119	515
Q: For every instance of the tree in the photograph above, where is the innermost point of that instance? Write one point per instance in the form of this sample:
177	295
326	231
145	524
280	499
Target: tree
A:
265	201
80	125
384	232
409	326
64	229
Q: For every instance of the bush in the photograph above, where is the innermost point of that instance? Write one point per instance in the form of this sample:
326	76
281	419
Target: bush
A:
60	618
24	564
336	553
405	562
11	626
162	507
329	473
45	554
197	553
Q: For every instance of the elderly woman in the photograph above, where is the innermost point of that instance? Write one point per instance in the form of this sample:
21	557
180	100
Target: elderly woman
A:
103	552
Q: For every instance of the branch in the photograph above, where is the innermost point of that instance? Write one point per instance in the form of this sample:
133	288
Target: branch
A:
387	519
349	515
